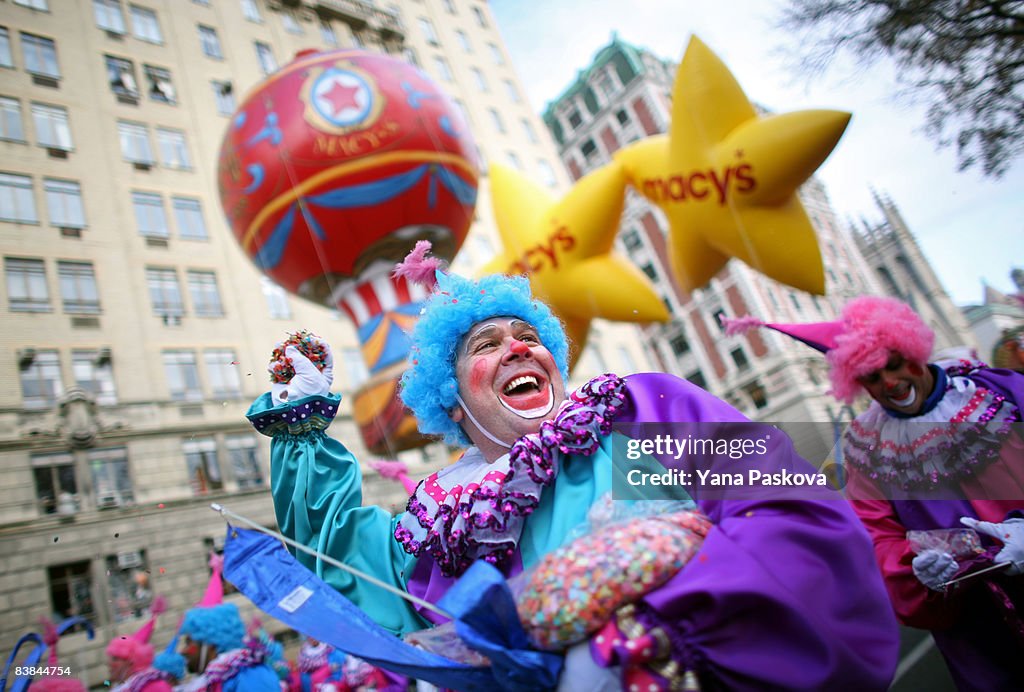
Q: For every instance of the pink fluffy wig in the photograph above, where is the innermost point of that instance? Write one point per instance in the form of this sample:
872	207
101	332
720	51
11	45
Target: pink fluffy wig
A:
874	327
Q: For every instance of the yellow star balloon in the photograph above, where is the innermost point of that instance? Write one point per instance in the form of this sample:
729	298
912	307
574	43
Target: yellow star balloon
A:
565	247
726	178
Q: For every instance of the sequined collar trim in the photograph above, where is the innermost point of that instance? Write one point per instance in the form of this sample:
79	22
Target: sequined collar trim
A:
955	440
475	510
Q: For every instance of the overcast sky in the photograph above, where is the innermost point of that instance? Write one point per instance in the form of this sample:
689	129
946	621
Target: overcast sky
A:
971	228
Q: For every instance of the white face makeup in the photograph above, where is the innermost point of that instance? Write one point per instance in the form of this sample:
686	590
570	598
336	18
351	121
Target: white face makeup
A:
507	379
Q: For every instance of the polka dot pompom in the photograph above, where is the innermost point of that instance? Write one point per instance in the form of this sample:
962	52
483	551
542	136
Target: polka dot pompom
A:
308	344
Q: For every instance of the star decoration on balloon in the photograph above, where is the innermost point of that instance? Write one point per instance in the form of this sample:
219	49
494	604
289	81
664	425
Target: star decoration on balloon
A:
727	178
565	247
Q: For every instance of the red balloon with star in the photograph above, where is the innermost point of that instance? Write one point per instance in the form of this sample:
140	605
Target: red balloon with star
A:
330	171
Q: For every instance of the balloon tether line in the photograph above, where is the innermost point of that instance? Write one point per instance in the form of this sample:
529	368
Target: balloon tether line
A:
225	512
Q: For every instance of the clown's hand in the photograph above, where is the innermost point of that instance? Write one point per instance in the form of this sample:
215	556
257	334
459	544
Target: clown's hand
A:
933	568
308	380
1010	533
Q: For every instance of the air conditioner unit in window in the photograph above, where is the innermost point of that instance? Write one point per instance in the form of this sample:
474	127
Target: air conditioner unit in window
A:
172	320
129	559
26	356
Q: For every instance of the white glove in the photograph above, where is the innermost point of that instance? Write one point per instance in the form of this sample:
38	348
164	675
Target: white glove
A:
933	568
308	379
1010	533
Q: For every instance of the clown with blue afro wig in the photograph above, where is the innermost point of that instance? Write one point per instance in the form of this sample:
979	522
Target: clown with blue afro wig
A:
429	386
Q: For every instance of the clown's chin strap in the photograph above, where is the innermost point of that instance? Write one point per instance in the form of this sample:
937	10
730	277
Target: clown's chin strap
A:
481	428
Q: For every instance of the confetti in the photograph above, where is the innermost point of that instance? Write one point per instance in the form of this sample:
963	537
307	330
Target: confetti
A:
308	344
576	589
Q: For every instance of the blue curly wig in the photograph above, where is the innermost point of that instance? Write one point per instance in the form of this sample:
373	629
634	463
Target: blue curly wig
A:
429	385
219	625
170	662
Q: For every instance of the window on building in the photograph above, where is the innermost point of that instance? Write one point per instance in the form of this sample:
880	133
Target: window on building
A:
290	23
444	72
355	368
188	215
204	3
588	149
496	55
740	359
622	116
222	373
71	590
251	11
164	291
718	318
26	285
135	146
6	58
679	345
128	585
795	301
173	149
182	375
121	76
514	159
697	377
496	120
203	467
546	173
757	393
145	25
93	371
224	96
10	120
34	4
149	214
265	57
478	77
41	381
467	47
427	29
64	203
409	54
56	487
209	42
607	86
481	19
244	459
575	119
78	290
626	358
631	239
449	6
327	34
40	55
277	300
158	84
511	91
202	289
109	16
52	128
650	271
111	482
17	199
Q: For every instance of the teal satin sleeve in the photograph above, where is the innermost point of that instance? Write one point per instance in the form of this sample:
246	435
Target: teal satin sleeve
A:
317	489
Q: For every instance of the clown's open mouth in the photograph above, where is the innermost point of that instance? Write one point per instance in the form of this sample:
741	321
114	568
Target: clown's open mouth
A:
528	395
906	400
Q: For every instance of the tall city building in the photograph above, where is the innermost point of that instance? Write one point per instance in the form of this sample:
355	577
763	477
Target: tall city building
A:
903	271
623	96
135	331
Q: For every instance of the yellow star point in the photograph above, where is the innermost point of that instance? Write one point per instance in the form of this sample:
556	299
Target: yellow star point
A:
565	247
727	179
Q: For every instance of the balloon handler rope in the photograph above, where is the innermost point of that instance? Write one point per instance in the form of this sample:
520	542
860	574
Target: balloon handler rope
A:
228	514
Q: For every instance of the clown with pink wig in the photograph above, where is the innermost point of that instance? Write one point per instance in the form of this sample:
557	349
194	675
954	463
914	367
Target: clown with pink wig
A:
130	658
939	449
